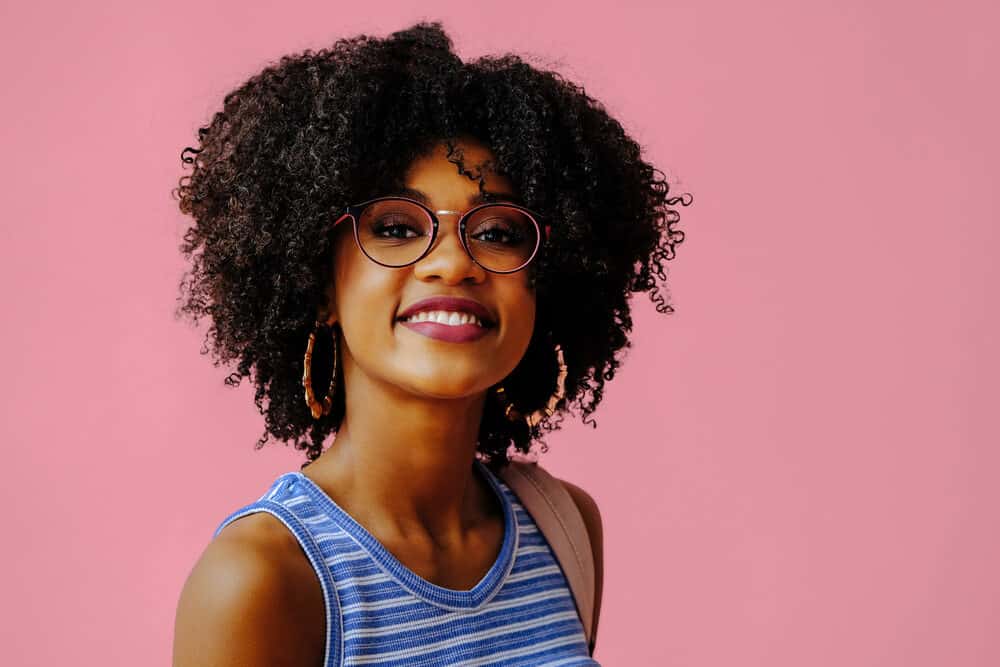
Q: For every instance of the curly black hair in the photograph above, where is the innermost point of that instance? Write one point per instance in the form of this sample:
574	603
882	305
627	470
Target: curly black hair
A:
319	130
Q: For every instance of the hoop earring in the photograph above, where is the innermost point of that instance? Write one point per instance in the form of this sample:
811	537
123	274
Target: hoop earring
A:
535	417
315	407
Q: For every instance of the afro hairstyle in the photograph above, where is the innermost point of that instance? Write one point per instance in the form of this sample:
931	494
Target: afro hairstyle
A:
322	129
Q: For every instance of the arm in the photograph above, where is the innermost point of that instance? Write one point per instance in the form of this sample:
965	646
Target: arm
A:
249	602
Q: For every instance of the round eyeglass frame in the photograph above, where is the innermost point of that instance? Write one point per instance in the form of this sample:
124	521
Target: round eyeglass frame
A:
353	211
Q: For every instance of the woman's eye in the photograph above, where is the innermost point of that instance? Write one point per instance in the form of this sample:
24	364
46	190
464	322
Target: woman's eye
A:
387	228
497	235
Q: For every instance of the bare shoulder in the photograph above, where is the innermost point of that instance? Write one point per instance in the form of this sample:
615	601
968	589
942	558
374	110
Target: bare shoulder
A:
252	598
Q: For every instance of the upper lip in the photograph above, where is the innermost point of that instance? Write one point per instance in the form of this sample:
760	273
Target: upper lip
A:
450	303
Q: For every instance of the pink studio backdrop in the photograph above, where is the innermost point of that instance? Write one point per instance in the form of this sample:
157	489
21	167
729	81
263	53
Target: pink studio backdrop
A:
797	468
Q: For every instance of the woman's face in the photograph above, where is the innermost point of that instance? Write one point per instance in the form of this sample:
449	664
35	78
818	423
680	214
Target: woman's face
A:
368	299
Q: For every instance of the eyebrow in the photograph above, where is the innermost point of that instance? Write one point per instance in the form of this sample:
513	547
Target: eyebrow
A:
477	198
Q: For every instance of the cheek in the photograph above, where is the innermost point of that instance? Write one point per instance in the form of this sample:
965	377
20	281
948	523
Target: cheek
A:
366	298
366	294
521	315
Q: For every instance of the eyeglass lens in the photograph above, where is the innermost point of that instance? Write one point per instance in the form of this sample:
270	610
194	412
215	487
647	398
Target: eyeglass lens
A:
396	233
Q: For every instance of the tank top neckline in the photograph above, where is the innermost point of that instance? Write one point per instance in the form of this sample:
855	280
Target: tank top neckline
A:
488	586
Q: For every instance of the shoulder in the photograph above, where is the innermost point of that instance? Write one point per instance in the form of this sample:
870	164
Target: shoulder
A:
252	598
591	512
516	470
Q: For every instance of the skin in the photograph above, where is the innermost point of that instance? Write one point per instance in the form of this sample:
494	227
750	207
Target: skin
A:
401	463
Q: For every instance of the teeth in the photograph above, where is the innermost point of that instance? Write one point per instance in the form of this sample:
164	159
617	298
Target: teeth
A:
445	317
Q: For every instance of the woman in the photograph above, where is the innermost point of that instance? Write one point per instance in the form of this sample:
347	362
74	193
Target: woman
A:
441	253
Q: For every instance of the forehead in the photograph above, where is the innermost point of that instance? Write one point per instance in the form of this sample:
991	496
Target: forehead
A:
453	172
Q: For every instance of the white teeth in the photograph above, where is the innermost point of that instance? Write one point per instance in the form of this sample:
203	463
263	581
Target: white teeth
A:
445	317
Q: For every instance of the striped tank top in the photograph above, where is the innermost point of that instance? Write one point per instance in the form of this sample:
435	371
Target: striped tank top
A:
379	612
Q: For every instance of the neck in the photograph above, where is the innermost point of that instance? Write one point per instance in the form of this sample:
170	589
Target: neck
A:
405	461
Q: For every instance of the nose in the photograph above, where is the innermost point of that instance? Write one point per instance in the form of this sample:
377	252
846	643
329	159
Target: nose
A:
447	259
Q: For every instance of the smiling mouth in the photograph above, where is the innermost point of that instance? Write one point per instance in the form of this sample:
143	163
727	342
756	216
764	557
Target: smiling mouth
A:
463	330
448	318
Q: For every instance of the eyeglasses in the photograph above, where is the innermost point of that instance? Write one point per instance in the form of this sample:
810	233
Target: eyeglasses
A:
398	231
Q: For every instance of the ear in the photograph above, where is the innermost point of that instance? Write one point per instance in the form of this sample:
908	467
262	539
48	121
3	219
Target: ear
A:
327	312
327	317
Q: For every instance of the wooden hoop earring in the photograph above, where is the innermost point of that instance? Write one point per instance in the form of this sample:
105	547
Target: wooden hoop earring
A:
512	414
317	408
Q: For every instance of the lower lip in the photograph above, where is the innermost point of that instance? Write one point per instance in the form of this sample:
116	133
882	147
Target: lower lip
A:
462	333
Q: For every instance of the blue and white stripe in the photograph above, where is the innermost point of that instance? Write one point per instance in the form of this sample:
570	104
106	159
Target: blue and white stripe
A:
379	612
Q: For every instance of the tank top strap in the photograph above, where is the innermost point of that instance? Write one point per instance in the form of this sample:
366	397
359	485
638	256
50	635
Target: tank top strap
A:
280	502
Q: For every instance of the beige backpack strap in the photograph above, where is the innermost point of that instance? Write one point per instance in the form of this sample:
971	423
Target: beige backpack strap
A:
592	519
559	519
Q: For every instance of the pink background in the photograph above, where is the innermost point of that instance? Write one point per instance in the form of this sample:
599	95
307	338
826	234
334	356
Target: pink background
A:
798	468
